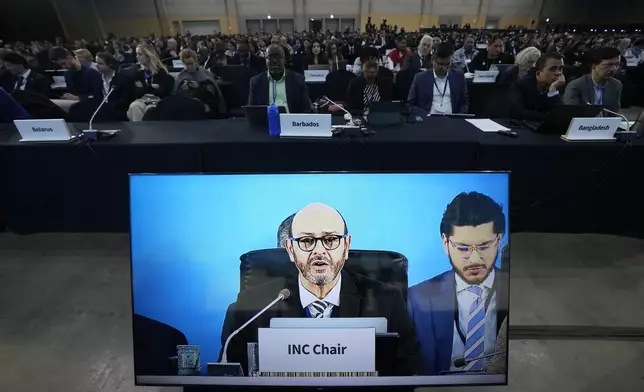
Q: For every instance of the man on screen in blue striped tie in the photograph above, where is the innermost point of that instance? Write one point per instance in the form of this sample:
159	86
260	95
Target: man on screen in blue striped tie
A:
458	313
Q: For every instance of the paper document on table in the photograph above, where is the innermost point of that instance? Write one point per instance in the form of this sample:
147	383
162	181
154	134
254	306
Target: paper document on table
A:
487	125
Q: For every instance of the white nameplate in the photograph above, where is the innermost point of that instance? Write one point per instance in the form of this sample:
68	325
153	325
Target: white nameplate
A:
317	350
305	125
467	61
54	130
485	76
481	46
593	128
318	75
178	64
59	82
632	62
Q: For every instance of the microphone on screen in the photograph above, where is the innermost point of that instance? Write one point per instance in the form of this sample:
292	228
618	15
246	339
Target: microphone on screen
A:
282	295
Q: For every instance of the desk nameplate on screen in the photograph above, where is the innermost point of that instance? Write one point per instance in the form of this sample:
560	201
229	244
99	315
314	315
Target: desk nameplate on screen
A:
51	130
485	76
315	75
317	350
305	125
592	129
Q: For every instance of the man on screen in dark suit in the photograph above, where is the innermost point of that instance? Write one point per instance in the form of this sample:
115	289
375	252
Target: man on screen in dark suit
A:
458	313
318	247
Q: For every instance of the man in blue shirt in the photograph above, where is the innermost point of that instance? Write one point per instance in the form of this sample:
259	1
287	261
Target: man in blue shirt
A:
82	82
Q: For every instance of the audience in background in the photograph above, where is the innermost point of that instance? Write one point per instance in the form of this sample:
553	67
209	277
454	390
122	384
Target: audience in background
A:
463	56
334	55
368	88
316	57
279	86
493	55
524	62
599	87
440	91
121	86
86	58
25	79
396	57
199	83
151	84
538	92
245	58
422	58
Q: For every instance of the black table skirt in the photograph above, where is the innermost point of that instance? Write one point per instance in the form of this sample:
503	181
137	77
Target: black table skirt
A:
555	186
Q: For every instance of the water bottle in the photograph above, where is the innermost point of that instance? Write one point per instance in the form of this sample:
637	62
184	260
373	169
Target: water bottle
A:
273	120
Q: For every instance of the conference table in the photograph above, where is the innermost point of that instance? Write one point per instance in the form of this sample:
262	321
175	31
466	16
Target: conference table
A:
555	186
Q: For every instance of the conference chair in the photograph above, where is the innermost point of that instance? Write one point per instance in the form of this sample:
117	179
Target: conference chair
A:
337	82
38	106
259	266
177	108
404	80
156	344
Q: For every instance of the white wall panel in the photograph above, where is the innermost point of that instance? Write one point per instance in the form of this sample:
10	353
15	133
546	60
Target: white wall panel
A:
262	8
180	8
511	7
126	9
452	7
395	6
332	7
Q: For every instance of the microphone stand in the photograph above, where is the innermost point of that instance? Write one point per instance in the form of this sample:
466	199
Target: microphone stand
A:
91	134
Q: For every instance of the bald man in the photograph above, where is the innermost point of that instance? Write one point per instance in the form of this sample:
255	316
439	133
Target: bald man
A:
278	85
318	247
422	58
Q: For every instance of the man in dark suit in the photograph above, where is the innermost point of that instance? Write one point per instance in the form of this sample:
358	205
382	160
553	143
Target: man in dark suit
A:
599	87
422	58
82	82
440	91
458	314
25	79
279	86
537	93
318	248
244	58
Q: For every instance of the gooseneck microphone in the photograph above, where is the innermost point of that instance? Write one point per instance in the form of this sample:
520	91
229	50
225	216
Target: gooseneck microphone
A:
91	134
283	294
462	362
348	115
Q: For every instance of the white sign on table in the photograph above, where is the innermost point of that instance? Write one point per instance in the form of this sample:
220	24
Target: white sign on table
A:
178	64
54	130
318	75
632	62
592	128
485	76
317	350
305	125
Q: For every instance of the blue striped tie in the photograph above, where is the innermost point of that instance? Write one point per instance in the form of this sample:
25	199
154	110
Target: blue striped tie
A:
320	309
474	344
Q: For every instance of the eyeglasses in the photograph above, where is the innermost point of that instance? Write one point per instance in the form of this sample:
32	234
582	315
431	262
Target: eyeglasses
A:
466	250
329	242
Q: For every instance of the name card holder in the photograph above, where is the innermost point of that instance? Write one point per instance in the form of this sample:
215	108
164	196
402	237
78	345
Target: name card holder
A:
318	350
485	76
318	75
54	130
632	62
592	129
305	125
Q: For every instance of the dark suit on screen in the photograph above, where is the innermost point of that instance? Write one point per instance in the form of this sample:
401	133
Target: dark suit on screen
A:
359	297
297	95
432	306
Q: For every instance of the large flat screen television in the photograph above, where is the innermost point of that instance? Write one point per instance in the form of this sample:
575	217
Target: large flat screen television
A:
320	279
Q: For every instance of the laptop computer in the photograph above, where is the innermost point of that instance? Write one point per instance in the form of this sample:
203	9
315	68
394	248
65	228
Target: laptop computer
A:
385	113
560	117
257	115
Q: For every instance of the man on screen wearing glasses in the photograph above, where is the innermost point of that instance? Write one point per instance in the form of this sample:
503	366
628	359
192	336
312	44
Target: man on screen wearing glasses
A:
318	247
458	313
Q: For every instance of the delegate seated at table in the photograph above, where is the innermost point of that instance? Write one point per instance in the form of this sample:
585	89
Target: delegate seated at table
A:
422	58
599	87
534	96
151	81
368	88
279	86
441	90
493	55
82	82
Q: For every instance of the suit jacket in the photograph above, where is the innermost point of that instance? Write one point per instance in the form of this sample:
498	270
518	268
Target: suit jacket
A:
580	92
155	342
432	307
162	78
37	83
253	62
528	103
84	83
421	93
416	62
481	62
359	297
297	95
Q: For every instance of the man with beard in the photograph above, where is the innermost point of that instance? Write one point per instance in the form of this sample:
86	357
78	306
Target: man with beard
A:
458	313
318	248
